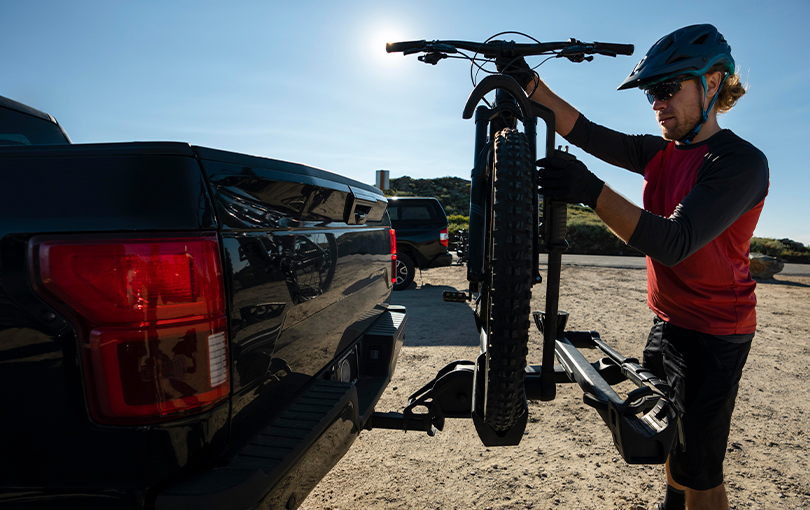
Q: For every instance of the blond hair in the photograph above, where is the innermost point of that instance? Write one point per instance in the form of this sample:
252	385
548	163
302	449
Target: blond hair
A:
731	91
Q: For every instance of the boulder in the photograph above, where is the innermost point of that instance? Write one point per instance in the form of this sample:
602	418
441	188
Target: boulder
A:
763	267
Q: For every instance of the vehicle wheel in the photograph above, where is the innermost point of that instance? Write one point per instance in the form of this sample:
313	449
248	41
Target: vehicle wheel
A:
509	290
405	271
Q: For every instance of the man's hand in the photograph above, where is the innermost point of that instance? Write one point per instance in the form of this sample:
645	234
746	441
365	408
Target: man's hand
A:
517	68
567	179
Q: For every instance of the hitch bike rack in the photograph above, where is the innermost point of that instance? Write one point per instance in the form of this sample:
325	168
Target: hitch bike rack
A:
643	425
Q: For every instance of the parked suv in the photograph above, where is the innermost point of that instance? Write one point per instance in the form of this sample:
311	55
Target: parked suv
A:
422	237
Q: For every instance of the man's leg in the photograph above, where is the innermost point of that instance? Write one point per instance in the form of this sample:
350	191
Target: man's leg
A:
715	498
712	499
704	372
675	497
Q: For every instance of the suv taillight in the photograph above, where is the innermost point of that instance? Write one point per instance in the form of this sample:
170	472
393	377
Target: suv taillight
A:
444	237
152	310
393	256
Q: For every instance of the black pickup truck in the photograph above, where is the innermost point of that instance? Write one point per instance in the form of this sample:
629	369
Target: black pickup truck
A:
182	327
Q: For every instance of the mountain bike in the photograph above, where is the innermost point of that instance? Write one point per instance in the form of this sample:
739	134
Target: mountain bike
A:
508	225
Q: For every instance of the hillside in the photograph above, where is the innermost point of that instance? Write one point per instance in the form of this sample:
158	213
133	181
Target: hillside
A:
452	192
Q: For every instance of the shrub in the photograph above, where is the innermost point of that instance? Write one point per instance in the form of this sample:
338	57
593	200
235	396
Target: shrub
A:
790	251
588	235
456	222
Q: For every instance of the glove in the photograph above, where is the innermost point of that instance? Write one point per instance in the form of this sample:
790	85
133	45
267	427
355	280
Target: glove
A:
517	68
567	179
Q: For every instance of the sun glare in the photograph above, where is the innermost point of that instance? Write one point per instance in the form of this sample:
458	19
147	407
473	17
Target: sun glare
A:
379	37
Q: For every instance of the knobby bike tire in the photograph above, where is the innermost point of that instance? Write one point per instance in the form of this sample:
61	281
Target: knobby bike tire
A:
509	293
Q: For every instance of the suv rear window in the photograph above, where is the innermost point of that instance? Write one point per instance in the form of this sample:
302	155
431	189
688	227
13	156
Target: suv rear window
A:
416	210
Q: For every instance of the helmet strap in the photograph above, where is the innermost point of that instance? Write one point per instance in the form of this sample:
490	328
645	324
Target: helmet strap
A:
688	137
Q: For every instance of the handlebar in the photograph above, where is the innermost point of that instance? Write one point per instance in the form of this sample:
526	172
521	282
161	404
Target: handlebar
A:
572	48
619	49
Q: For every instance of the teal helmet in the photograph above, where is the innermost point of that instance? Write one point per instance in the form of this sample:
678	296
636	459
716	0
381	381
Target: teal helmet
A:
688	51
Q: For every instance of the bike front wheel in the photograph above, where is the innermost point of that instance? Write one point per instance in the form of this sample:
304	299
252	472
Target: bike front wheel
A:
506	306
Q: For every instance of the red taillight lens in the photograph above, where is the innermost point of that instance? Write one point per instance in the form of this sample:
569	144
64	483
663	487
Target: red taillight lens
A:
444	237
134	280
150	373
393	256
154	311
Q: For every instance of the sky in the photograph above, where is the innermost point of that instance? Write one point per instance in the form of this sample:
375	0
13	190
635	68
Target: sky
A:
309	81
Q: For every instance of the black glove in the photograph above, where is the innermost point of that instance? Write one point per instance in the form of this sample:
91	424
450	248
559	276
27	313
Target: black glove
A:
567	179
517	68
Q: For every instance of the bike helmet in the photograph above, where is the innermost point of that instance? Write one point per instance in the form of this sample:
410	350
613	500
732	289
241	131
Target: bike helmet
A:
688	51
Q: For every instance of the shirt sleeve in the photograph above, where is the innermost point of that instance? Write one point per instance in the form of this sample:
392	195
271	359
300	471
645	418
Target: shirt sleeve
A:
631	152
728	186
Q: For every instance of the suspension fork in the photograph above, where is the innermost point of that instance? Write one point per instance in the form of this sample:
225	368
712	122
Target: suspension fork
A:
478	200
488	122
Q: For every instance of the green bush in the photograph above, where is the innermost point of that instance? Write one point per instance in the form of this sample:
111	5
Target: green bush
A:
790	251
588	235
457	222
591	239
452	192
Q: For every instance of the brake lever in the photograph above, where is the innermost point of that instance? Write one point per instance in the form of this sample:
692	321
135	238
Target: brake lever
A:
432	58
576	53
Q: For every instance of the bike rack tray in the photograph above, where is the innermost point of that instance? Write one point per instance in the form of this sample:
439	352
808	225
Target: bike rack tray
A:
644	425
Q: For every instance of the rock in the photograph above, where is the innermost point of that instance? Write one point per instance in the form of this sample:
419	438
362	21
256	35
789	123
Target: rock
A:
764	267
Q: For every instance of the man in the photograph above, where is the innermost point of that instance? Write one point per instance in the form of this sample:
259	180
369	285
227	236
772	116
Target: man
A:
704	188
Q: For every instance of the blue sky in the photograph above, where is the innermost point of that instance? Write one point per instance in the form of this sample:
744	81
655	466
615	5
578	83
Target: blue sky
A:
310	82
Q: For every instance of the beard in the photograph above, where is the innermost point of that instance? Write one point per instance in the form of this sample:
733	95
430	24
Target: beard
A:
682	127
688	116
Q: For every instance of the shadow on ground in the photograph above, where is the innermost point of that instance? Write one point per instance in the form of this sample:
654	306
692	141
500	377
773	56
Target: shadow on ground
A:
782	281
431	321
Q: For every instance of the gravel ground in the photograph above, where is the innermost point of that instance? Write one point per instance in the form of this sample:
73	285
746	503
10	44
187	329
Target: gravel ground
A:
566	458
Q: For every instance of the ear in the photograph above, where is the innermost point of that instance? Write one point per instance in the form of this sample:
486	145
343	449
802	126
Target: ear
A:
713	81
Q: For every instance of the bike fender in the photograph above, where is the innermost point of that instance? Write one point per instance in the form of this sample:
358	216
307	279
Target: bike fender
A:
498	81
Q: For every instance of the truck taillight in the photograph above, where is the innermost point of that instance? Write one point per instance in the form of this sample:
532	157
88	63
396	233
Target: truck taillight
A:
393	256
444	237
152	310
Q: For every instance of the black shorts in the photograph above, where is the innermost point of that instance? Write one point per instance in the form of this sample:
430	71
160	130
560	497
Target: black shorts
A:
704	373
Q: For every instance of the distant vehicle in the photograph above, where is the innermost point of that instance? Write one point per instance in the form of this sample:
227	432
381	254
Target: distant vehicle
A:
422	236
183	327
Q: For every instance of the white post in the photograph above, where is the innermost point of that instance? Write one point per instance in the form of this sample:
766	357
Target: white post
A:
382	181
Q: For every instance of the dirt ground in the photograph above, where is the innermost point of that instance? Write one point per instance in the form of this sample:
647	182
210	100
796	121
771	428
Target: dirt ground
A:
567	458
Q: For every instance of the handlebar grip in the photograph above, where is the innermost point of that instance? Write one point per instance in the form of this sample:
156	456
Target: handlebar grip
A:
621	49
404	46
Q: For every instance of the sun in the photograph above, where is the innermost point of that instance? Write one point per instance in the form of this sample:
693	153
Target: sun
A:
382	34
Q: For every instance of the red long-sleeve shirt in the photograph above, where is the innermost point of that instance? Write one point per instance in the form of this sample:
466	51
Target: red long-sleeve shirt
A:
701	205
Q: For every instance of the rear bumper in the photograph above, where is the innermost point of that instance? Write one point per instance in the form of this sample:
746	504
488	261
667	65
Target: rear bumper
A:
281	465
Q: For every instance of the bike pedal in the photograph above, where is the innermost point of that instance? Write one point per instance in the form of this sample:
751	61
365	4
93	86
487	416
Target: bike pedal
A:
454	297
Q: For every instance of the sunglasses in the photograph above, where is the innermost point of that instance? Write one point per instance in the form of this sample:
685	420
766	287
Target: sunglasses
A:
665	90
